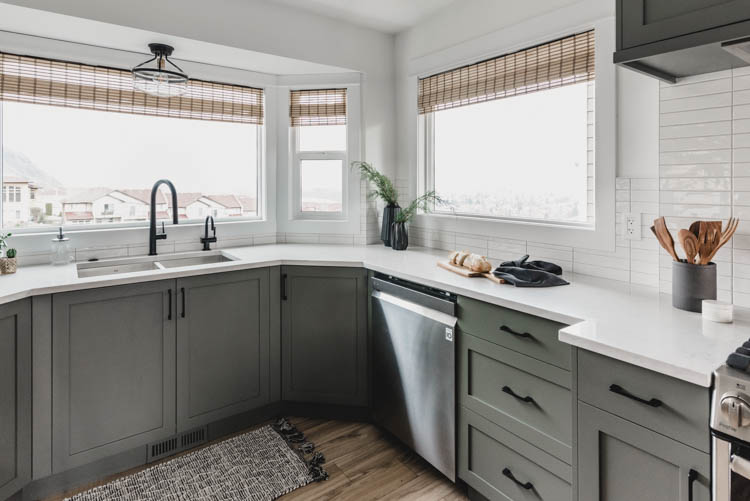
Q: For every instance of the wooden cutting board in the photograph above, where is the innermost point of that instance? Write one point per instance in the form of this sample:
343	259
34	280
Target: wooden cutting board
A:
466	272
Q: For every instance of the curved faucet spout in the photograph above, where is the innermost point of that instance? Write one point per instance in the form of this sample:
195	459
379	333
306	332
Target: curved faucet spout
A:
152	236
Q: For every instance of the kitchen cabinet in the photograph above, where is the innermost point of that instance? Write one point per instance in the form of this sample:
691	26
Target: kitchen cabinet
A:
113	371
646	21
620	461
223	345
676	38
324	335
15	396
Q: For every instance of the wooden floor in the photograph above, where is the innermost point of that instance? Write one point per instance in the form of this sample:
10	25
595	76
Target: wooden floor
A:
363	463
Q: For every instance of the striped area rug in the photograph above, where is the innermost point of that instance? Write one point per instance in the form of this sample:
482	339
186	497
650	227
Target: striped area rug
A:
259	465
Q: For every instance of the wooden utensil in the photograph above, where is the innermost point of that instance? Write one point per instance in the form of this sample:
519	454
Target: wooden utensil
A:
711	240
664	237
689	243
726	236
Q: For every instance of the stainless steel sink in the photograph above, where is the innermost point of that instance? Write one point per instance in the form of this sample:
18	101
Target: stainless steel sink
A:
150	263
116	266
178	261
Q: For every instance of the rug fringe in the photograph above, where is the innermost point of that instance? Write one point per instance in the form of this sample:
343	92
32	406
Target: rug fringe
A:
304	449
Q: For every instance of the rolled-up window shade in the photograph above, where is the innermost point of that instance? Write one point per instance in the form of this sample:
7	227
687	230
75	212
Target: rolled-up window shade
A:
554	64
318	107
73	85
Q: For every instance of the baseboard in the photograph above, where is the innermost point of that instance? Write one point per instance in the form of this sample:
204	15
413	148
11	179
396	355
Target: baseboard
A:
474	495
326	411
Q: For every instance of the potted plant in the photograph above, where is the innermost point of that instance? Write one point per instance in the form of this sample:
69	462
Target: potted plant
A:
383	189
9	265
399	231
3	246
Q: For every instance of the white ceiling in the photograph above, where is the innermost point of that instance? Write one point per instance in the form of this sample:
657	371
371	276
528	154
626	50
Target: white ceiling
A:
390	16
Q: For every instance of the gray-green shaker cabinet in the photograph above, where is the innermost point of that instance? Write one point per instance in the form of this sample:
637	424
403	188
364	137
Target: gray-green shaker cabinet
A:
223	339
622	461
15	396
113	371
324	335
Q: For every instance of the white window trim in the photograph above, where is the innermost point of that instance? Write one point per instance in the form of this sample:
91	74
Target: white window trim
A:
288	218
602	234
297	157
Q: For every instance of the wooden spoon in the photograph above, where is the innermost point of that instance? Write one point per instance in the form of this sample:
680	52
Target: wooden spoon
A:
726	236
689	243
664	237
712	239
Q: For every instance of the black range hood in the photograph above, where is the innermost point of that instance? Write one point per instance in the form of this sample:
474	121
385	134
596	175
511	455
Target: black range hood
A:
671	39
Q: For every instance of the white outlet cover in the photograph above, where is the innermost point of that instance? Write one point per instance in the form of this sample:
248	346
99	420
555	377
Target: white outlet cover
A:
631	225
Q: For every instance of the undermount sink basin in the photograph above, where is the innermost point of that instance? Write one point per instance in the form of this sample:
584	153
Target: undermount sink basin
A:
150	263
194	260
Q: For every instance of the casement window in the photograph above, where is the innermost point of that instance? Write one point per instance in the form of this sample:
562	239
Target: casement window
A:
318	144
513	137
92	145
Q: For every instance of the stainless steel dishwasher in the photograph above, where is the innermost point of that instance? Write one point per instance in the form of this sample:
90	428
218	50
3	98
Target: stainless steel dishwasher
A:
414	363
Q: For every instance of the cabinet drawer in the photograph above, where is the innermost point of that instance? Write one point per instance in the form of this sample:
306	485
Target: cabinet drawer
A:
527	397
533	336
681	410
489	456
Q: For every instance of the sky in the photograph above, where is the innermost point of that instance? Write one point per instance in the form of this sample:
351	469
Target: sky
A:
84	148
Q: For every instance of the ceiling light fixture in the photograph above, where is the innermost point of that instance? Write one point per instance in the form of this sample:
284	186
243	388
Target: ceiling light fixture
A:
159	79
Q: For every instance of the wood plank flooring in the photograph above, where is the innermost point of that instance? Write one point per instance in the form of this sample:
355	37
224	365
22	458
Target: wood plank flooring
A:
363	464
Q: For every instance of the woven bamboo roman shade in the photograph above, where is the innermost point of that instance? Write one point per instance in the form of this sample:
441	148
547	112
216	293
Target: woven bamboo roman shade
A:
318	107
73	85
554	64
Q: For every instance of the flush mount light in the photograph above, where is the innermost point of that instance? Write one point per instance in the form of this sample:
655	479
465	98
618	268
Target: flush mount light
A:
156	77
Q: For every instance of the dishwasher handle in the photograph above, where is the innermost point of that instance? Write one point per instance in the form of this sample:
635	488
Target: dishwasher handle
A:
423	311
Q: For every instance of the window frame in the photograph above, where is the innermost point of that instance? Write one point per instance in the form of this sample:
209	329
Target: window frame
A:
260	138
427	174
600	236
297	157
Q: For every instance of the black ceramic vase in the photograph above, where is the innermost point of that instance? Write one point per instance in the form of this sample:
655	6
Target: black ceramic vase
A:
399	236
389	215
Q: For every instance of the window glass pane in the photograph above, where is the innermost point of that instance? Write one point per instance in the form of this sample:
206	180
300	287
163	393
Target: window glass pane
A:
321	185
521	157
94	167
322	138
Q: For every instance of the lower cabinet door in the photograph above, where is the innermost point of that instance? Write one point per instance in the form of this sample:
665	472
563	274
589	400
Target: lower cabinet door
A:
223	337
501	466
324	335
15	396
113	371
622	461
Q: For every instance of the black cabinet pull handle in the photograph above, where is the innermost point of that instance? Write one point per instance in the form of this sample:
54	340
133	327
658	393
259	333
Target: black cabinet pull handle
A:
527	399
509	474
654	402
692	476
169	315
507	329
283	287
182	292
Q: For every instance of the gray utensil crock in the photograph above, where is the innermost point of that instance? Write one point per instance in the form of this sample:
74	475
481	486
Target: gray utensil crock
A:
691	284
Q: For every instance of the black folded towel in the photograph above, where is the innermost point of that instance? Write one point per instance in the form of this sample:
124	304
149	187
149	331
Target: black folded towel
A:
523	273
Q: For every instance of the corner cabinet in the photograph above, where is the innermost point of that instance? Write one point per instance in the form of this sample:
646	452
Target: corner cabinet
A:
223	339
113	371
15	396
324	335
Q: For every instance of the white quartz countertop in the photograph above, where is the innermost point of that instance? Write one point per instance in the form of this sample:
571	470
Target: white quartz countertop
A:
631	323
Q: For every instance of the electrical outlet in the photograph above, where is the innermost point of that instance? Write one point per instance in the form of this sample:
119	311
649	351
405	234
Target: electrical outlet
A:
632	226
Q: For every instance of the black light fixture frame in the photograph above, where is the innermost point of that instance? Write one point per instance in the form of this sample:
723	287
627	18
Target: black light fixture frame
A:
161	54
